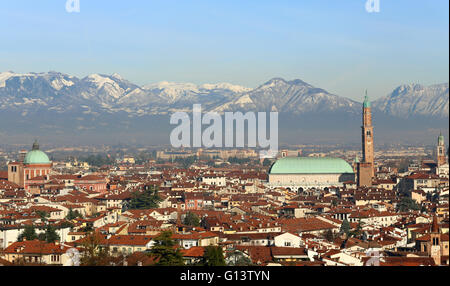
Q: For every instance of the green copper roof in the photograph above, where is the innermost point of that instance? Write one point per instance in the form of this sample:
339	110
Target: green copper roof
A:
36	156
441	139
307	165
367	103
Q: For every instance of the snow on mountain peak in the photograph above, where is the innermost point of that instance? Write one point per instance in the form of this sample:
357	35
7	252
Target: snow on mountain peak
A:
416	99
4	76
117	76
226	86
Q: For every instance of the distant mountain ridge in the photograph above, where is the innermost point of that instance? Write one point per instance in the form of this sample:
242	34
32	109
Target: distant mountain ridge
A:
112	93
293	97
414	99
60	105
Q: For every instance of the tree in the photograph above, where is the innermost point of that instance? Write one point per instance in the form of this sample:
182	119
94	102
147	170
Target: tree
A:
345	227
407	204
166	251
423	209
43	215
236	160
329	236
88	228
71	215
186	162
147	199
267	162
213	256
237	258
191	219
99	160
66	224
29	233
50	235
93	253
404	165
358	230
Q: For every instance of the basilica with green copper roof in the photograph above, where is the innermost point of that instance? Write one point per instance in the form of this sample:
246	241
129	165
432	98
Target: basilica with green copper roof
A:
308	165
298	173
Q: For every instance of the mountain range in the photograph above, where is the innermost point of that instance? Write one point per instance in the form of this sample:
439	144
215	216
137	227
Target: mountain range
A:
56	103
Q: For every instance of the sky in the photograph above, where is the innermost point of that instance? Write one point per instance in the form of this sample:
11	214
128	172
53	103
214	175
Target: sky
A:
335	45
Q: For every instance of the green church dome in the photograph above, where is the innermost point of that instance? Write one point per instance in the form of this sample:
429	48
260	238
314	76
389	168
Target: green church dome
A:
311	165
36	156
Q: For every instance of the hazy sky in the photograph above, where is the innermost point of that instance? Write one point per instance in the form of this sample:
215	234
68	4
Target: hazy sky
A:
331	44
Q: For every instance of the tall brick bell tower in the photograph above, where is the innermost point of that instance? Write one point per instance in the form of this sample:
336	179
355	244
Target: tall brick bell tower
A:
366	168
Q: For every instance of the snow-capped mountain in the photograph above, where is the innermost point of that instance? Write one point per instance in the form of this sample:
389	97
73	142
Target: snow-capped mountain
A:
414	99
165	96
103	93
293	97
35	90
107	107
98	94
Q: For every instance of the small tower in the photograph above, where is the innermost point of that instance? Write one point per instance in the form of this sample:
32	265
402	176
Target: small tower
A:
435	237
440	152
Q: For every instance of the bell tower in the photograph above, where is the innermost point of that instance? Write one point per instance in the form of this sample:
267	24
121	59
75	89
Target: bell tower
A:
440	152
367	135
435	236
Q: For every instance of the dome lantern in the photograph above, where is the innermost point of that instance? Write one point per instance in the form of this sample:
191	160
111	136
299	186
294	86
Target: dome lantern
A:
35	145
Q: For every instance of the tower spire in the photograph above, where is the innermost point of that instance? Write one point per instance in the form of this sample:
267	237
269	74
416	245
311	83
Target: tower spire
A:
366	101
